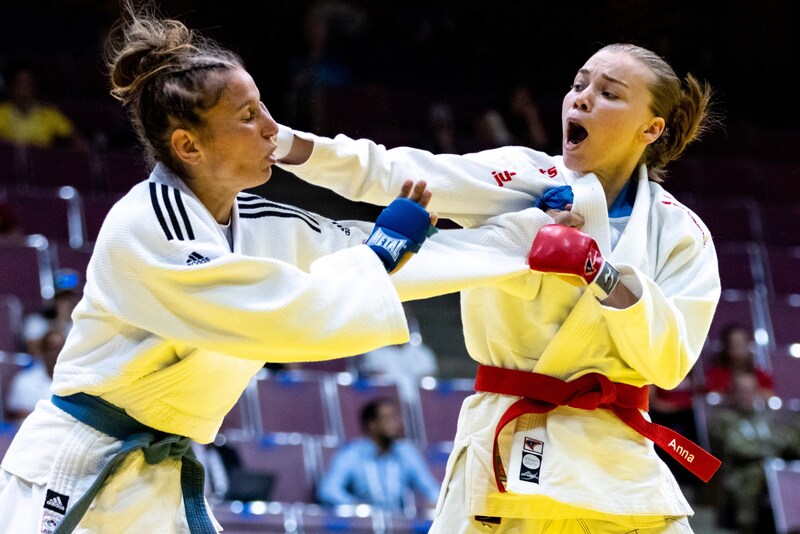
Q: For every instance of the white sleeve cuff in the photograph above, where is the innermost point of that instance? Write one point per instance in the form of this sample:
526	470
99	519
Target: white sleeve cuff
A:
284	141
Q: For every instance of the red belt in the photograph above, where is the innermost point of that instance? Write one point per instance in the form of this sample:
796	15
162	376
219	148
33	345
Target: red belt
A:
542	393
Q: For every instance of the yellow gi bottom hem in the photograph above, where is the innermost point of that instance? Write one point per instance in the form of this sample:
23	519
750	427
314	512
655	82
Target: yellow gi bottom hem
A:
541	507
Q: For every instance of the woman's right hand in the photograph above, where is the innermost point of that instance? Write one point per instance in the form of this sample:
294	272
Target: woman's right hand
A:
566	217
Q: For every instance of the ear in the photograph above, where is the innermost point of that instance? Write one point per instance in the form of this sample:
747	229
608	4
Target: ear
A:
654	130
186	146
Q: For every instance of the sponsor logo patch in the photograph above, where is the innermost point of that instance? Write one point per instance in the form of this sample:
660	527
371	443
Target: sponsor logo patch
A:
531	464
195	258
56	502
55	506
486	520
50	521
391	244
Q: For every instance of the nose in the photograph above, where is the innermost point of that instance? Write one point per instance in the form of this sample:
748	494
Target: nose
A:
582	101
270	127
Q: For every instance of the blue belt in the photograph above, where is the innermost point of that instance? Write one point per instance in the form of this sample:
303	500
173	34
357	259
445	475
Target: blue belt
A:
157	446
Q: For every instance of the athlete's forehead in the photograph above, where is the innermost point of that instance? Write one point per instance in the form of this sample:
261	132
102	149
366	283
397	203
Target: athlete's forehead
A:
241	90
616	67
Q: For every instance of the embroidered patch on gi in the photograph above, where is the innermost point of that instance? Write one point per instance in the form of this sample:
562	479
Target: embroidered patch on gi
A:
50	521
486	520
55	506
531	464
56	502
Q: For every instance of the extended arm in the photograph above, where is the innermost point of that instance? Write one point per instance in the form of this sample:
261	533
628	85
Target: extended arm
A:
467	188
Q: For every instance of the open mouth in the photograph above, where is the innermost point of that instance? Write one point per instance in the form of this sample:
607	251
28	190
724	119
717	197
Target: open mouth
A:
576	133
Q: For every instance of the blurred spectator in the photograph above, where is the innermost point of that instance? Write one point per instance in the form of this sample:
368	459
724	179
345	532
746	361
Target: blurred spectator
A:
747	433
439	135
26	120
380	469
491	131
32	384
57	315
524	120
319	66
10	230
736	354
406	362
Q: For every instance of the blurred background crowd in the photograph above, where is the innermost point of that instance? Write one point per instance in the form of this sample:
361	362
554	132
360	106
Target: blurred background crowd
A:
469	55
449	76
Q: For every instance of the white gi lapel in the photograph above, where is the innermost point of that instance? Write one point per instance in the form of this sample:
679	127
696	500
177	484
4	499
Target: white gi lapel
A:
236	228
590	202
632	246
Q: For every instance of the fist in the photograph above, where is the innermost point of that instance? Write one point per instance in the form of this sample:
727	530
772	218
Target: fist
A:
399	232
563	250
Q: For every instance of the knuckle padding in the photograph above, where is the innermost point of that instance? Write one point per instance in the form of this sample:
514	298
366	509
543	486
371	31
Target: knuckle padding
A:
406	219
399	231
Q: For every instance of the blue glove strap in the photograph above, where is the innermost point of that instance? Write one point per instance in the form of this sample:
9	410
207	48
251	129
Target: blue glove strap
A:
390	246
555	199
401	229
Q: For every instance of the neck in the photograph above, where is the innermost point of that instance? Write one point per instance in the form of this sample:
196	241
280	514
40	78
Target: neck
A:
613	184
384	443
220	209
217	201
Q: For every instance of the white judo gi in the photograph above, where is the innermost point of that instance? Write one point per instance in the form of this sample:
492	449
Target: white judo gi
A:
175	321
592	465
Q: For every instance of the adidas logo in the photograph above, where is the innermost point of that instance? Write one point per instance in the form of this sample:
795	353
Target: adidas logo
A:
196	259
55	502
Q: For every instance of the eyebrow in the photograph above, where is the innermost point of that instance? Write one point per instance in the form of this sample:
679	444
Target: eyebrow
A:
244	104
606	76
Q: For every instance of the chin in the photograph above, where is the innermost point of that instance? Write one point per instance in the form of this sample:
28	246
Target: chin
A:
570	161
576	164
265	175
